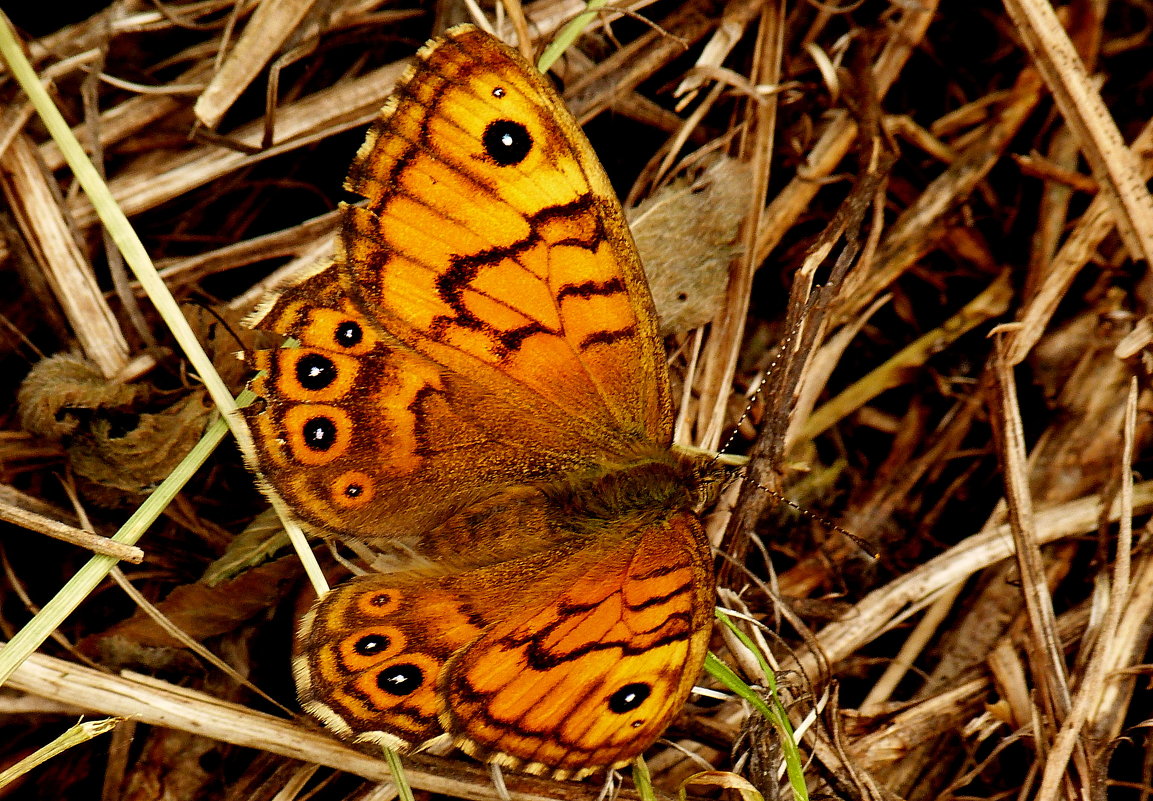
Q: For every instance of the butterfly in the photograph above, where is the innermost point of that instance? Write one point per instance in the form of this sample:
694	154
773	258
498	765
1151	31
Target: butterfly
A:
480	377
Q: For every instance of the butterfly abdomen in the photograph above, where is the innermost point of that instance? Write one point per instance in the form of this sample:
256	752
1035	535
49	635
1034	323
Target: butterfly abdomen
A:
654	485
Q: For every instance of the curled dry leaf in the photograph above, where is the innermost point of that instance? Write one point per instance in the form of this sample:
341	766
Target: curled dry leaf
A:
122	438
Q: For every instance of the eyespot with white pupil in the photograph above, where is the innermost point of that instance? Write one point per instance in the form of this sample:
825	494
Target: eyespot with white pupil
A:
348	334
319	433
507	142
352	488
400	679
315	372
629	697
371	644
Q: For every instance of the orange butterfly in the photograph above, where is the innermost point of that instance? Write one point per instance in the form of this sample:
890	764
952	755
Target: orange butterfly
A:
480	376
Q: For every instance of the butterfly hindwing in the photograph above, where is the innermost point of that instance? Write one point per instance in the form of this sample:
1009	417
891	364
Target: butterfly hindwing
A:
371	656
373	651
544	665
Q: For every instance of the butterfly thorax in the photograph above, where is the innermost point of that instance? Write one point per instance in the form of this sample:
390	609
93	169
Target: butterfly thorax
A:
610	499
654	485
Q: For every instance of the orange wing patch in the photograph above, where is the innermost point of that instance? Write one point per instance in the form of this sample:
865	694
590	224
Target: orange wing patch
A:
493	244
591	678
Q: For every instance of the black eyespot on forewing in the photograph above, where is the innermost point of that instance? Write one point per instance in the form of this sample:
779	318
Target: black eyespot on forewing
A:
507	142
629	697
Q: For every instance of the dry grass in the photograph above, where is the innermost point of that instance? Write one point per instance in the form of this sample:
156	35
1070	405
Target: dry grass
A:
941	265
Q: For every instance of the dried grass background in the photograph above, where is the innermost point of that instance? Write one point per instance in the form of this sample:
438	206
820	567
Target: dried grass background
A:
918	175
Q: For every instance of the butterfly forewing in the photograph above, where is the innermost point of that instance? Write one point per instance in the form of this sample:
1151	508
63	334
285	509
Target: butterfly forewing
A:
591	678
492	243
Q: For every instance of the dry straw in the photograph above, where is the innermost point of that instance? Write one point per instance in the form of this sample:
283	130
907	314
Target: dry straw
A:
914	182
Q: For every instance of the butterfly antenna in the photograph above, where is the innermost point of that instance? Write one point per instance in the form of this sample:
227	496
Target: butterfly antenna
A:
869	548
863	544
757	392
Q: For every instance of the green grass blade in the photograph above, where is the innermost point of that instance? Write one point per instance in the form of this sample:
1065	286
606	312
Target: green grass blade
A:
773	710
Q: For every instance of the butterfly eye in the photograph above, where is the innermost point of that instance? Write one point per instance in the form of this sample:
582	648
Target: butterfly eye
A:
371	644
400	679
315	372
629	697
381	599
507	142
348	334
